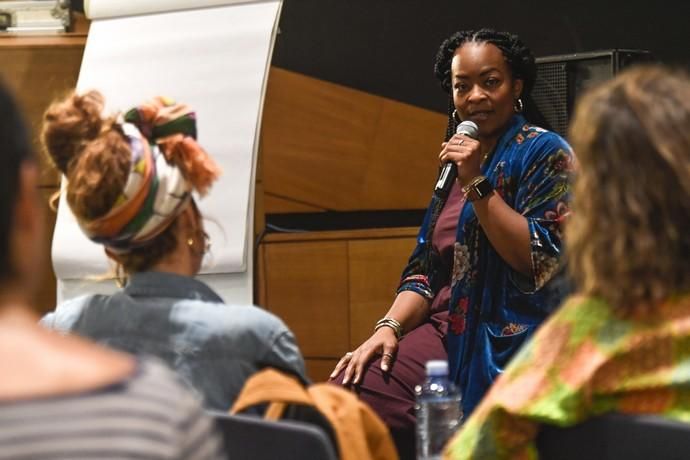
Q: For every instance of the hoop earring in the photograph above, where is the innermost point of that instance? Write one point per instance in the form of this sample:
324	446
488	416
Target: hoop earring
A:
518	106
455	116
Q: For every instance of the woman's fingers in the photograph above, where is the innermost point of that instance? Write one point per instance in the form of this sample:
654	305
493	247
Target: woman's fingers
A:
458	149
343	361
354	369
362	360
454	155
388	356
355	362
358	362
351	367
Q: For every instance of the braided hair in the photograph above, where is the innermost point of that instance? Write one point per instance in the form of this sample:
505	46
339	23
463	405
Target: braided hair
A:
517	55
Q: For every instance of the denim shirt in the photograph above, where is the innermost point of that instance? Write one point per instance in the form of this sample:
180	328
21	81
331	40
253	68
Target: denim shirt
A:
213	347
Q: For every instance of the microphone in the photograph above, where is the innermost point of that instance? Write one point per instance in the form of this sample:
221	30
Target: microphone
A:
449	171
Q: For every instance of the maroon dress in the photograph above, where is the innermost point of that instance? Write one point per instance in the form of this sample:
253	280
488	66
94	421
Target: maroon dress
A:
391	394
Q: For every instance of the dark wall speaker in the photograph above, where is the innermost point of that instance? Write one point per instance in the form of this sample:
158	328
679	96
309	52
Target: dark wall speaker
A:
561	79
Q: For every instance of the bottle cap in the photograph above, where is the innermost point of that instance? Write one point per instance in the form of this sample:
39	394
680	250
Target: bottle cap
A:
436	368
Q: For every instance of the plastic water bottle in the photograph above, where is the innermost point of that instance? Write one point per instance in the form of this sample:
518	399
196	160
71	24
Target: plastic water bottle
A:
439	411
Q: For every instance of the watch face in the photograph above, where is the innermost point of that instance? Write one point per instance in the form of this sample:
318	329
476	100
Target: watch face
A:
482	188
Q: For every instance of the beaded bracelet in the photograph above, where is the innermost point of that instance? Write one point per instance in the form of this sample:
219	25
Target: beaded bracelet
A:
392	323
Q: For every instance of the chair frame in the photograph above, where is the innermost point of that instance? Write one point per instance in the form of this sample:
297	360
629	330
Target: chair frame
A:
617	436
253	438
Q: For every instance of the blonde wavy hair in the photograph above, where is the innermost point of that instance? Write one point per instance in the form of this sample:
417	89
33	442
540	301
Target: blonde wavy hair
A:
628	240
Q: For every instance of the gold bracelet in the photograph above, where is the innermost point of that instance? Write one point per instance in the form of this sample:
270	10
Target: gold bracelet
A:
478	188
392	323
467	188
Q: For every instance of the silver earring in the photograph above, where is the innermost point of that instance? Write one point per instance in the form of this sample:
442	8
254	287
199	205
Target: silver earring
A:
455	116
518	106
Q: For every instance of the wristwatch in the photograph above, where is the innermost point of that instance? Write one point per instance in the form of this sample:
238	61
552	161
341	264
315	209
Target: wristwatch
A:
478	188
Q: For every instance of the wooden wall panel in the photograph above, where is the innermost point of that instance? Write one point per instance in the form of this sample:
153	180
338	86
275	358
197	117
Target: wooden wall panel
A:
306	286
331	287
403	162
315	139
331	147
374	267
274	204
38	69
37	75
319	370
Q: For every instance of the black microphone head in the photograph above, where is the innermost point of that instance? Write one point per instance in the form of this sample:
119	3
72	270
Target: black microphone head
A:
468	128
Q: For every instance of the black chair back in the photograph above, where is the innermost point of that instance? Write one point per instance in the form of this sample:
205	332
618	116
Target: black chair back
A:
253	438
617	437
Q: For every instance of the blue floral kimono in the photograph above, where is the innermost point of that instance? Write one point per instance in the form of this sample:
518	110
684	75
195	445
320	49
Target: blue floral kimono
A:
493	308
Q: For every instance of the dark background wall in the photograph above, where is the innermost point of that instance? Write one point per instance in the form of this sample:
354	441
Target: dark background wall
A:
386	47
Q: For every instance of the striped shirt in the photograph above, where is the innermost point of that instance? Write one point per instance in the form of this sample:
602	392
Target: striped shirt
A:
147	415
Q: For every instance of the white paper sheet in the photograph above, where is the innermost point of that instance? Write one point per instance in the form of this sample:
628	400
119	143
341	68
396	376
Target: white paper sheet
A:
100	9
216	60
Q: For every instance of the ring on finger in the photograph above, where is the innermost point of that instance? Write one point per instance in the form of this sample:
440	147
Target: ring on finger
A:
389	355
460	142
348	354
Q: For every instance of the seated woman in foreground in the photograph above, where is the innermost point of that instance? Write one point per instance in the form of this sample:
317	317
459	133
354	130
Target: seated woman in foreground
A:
63	397
130	184
621	345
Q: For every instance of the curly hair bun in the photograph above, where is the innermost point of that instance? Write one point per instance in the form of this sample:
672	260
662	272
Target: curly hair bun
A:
69	124
89	150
